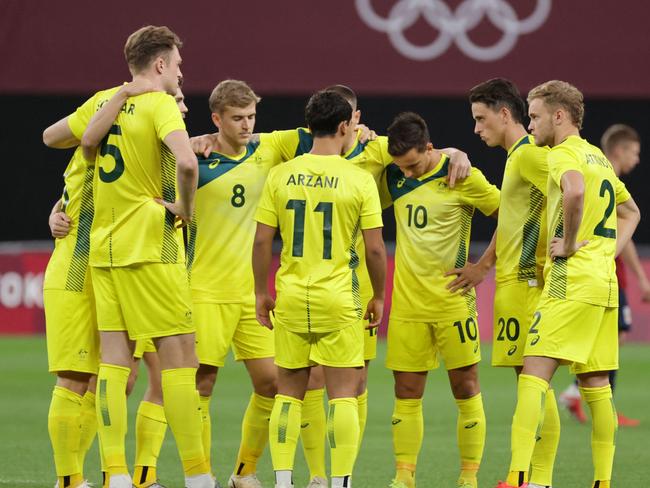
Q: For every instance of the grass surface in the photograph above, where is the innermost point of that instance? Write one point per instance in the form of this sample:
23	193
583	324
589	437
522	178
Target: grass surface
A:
26	458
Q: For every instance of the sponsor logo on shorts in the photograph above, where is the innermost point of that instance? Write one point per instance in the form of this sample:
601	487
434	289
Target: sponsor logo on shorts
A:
475	348
305	425
396	421
534	341
83	354
472	425
512	350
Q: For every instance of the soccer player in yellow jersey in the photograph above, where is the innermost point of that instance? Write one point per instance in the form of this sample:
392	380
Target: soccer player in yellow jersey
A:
426	319
320	203
520	247
145	180
591	217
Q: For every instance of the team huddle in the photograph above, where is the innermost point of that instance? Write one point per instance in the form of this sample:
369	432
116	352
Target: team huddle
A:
164	249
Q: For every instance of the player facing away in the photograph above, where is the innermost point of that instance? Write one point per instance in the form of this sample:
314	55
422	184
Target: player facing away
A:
321	204
591	217
145	181
231	180
427	320
621	145
520	247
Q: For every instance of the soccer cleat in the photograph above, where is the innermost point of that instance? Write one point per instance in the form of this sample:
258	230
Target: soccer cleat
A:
574	405
535	485
248	481
503	484
401	484
463	483
624	421
120	481
201	481
318	482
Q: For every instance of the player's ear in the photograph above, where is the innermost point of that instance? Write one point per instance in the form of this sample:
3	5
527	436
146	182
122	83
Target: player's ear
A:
159	64
216	119
344	127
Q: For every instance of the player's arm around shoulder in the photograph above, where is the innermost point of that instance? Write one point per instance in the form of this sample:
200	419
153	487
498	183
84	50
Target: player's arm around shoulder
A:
459	165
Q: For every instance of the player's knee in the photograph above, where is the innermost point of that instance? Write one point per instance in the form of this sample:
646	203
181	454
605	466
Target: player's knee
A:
266	386
465	386
406	390
206	377
74	381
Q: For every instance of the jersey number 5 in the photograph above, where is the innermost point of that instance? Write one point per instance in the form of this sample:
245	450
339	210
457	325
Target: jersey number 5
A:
112	150
298	206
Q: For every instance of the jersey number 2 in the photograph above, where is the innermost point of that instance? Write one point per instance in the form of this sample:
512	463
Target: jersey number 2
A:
600	229
298	206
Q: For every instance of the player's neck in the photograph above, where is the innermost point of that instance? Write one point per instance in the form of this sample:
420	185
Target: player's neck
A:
512	135
433	158
615	165
563	133
327	146
227	147
156	81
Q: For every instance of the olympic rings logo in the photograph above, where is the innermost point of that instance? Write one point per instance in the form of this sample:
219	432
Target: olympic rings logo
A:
453	26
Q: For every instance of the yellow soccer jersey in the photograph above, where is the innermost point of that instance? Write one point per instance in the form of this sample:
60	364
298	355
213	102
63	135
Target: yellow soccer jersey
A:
589	276
320	204
433	235
223	229
521	229
133	167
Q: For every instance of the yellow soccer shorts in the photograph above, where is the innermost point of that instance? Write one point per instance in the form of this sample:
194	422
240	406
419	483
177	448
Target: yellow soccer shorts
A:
146	300
220	326
71	326
339	349
142	346
581	334
514	306
415	346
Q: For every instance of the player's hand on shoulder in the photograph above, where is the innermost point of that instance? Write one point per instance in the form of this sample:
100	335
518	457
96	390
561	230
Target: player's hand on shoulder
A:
374	312
560	248
460	166
467	277
183	215
139	86
264	306
59	224
204	144
367	134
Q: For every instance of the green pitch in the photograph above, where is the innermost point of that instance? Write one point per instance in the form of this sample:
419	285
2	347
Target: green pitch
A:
25	454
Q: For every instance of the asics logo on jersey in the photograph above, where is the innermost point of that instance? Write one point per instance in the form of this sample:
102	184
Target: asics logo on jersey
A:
305	425
396	421
453	25
400	182
534	341
214	164
512	350
472	425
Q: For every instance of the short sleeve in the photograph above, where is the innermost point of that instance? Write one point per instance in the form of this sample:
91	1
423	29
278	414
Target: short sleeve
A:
370	205
534	166
622	195
79	120
560	160
286	142
167	118
266	212
478	192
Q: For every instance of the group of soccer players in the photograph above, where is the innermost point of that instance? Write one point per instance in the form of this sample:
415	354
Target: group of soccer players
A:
124	281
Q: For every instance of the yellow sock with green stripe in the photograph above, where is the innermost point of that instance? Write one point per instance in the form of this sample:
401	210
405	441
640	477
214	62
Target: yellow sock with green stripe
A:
543	459
312	432
343	435
284	428
362	401
254	434
183	413
526	421
88	422
150	429
470	430
408	432
112	416
206	429
603	432
63	427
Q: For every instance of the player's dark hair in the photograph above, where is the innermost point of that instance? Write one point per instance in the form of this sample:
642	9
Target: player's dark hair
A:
325	111
407	131
146	44
498	93
618	134
346	92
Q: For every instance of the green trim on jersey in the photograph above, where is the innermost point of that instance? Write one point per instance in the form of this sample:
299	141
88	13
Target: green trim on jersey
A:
353	265
218	164
169	251
399	185
306	142
465	226
79	262
525	140
557	286
192	230
530	237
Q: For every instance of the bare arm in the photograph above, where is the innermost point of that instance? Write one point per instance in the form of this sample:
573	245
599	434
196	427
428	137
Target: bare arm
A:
262	254
459	165
187	175
59	135
631	259
376	263
573	193
627	218
59	221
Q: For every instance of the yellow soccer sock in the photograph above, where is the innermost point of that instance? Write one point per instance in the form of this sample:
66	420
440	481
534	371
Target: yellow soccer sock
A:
546	447
470	430
284	428
63	426
254	434
112	416
72	481
525	424
603	431
408	431
312	432
88	421
362	401
183	413
206	429
150	429
343	435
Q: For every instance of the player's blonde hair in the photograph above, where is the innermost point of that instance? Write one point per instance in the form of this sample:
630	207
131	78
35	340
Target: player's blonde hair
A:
556	93
618	134
146	44
231	93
